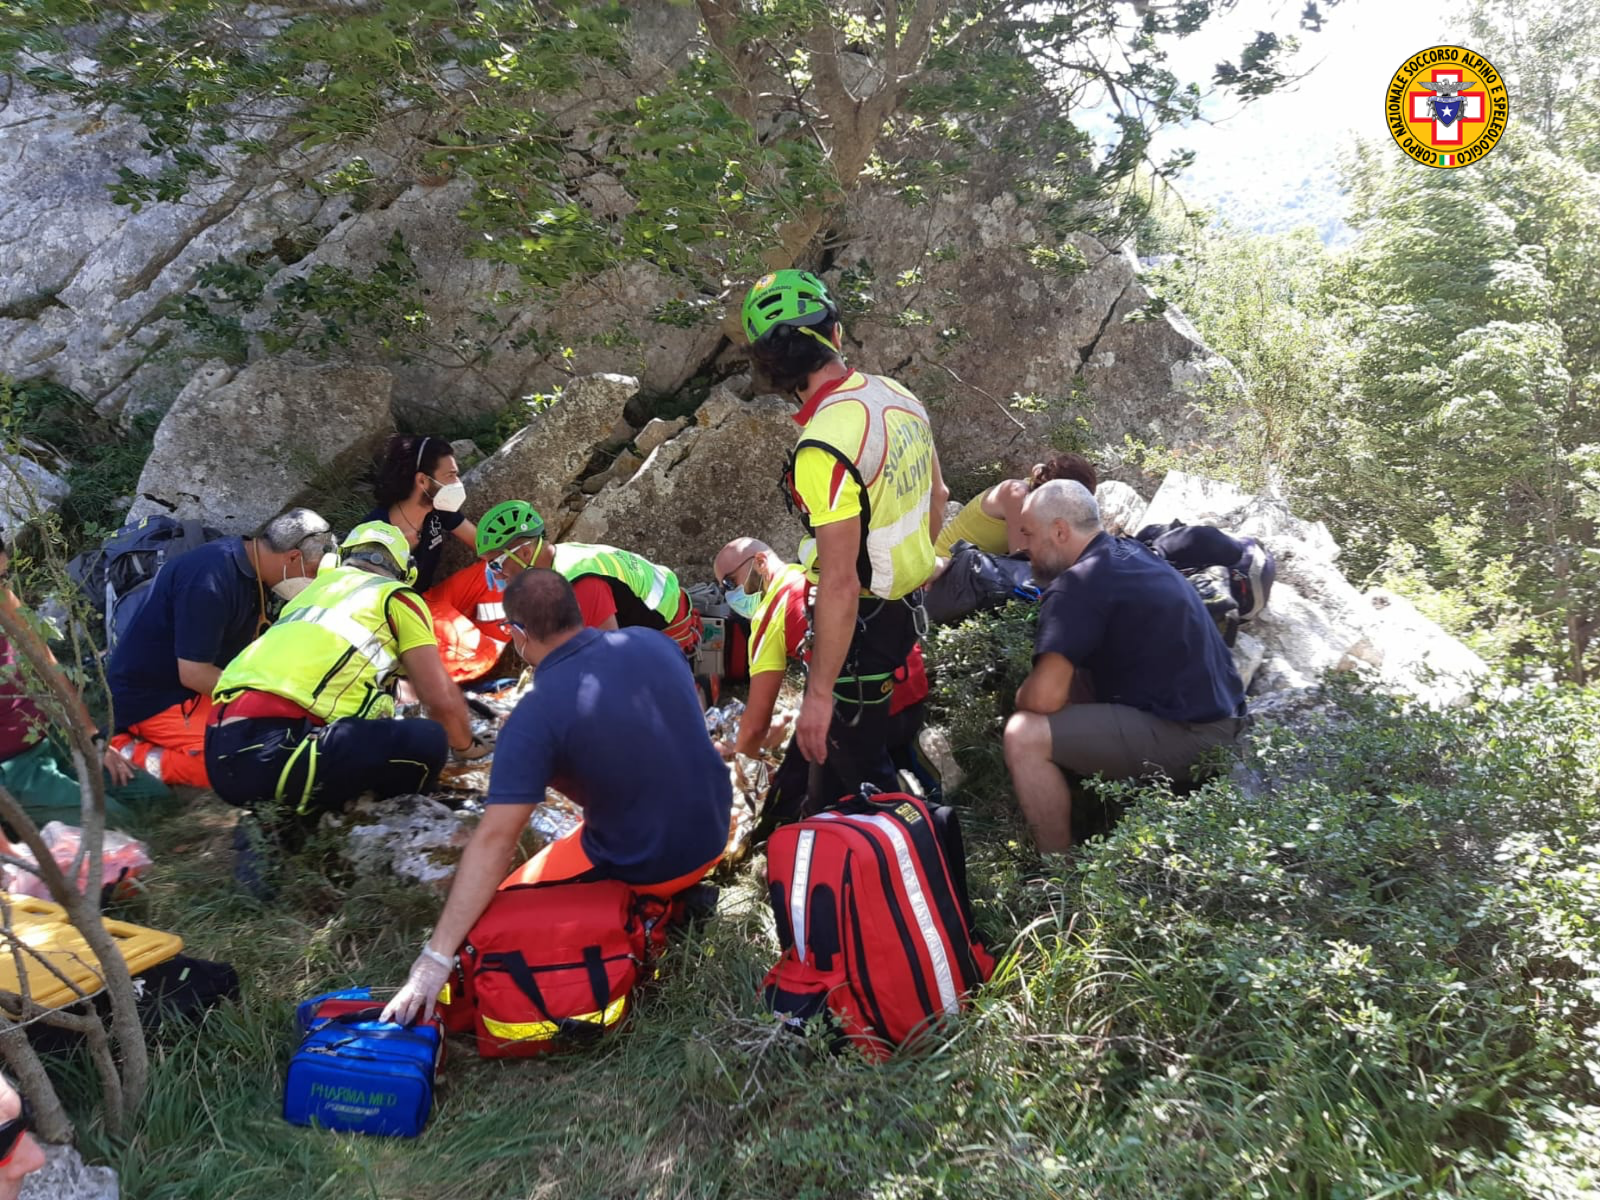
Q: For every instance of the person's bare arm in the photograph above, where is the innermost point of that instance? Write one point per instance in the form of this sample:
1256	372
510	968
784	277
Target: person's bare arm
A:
609	623
940	501
468	533
198	677
1008	497
441	697
757	718
833	625
484	863
1047	686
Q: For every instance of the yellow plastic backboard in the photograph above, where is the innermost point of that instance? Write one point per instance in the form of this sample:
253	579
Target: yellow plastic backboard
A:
55	958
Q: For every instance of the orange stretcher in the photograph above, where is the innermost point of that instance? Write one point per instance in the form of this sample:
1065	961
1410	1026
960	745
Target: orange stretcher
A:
55	959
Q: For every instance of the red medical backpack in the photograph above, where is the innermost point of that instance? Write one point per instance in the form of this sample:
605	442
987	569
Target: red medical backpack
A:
870	899
550	966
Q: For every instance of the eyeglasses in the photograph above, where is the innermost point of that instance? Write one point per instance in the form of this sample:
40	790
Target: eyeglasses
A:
498	565
727	581
11	1132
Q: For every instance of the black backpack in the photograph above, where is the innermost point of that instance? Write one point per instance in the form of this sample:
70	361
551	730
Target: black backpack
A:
1247	567
115	577
1212	583
976	580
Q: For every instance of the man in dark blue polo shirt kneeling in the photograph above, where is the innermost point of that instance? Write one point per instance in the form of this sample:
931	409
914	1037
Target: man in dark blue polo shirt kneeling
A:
1164	684
202	609
614	723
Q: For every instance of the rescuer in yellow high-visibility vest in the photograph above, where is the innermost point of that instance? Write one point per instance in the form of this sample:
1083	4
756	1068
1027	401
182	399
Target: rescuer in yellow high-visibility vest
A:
304	718
865	480
615	588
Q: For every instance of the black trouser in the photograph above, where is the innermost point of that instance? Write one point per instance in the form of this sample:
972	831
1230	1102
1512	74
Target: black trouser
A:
1195	547
858	738
788	796
907	755
291	771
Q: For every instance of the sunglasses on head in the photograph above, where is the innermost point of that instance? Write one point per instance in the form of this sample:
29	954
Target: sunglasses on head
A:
11	1132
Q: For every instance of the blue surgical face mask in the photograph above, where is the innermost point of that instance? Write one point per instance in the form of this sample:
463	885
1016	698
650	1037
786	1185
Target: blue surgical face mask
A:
744	603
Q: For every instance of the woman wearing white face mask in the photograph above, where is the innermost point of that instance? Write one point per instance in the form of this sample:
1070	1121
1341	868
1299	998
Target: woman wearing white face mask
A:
419	491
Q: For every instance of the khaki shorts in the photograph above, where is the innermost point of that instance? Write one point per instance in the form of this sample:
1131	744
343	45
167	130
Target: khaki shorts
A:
1120	742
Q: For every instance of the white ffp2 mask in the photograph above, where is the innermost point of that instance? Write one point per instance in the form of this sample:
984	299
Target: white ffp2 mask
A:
450	497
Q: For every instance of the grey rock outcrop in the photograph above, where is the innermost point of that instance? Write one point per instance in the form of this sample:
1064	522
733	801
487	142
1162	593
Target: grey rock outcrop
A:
456	365
1317	620
716	479
28	490
1248	653
544	460
1121	508
1008	346
65	1176
1010	350
236	450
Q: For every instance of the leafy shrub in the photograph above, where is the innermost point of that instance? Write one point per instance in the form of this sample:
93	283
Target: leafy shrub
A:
104	462
977	667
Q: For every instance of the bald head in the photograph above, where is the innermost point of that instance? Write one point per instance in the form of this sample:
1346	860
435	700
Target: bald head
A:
740	550
1058	520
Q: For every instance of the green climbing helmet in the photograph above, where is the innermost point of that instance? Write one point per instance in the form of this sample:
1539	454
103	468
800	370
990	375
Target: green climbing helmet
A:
786	298
506	522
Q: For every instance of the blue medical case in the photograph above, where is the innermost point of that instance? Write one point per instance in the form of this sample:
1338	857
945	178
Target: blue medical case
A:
357	1074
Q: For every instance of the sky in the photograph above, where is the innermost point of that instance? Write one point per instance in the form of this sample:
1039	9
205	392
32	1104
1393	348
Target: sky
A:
1272	165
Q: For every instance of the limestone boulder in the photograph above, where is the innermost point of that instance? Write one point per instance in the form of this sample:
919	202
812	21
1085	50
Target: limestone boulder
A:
1248	654
1121	508
65	1176
717	479
543	461
1299	642
1415	655
656	432
1317	620
414	838
1193	499
1010	349
28	489
236	450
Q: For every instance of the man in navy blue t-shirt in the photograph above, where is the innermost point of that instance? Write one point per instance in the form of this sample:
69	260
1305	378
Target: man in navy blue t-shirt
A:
1164	684
202	609
614	723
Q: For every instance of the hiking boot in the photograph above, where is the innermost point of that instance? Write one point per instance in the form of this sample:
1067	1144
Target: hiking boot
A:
251	867
1251	578
697	904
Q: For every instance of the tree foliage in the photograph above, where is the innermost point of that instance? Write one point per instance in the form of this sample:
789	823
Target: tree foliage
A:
1434	391
1479	377
728	153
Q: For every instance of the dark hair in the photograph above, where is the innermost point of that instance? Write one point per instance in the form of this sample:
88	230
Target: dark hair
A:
543	603
1066	466
403	456
787	354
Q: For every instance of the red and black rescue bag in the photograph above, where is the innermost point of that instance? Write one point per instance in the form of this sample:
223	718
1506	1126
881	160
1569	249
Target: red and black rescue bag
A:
551	966
870	899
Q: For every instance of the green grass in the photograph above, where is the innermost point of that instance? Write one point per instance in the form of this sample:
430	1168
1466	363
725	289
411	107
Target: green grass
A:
1376	973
